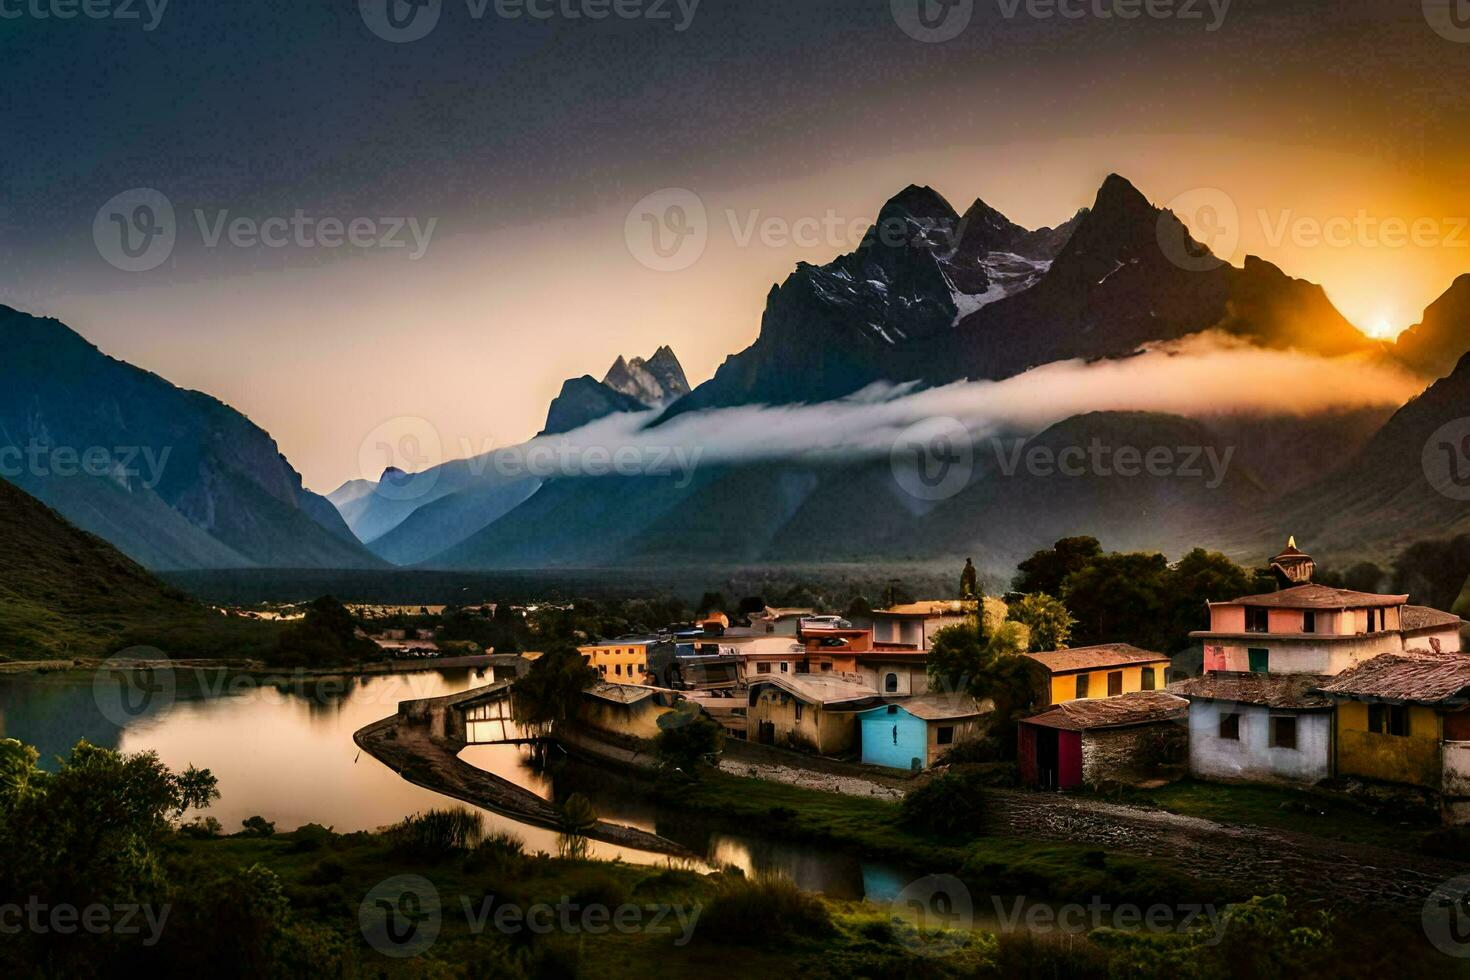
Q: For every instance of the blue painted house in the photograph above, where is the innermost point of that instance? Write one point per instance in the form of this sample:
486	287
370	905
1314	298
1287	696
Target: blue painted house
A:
915	733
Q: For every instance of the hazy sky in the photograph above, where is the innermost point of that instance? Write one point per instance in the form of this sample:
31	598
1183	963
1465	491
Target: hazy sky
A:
518	146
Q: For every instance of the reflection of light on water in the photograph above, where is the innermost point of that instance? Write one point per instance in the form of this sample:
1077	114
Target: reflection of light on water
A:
509	762
726	852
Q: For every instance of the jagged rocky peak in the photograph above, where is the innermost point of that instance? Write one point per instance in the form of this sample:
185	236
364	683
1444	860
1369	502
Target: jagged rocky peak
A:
1435	345
655	382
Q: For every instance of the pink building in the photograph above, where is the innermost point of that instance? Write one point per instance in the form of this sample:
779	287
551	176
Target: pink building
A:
1306	628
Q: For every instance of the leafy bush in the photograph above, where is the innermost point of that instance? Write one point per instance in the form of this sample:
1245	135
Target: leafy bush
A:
500	851
762	911
202	828
438	833
949	806
258	826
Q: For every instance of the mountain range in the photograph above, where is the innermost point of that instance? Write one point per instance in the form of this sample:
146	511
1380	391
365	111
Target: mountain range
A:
931	296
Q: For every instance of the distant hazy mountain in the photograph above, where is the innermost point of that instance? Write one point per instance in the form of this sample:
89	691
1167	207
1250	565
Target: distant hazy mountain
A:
174	478
629	386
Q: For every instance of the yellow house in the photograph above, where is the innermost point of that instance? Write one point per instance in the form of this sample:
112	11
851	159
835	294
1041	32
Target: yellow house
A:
1103	671
629	660
1405	718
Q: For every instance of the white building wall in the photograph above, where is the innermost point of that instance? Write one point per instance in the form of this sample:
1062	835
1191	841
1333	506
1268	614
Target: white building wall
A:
1252	757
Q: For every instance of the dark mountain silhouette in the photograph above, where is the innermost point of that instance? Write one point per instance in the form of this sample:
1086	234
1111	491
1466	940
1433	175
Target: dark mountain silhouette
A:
174	478
629	386
1435	345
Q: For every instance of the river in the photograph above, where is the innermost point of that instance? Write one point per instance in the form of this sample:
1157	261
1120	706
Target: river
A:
282	748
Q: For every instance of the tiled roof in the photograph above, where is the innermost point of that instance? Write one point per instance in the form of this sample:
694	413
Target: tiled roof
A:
1418	676
621	693
1095	657
1266	690
1138	708
1314	596
1423	618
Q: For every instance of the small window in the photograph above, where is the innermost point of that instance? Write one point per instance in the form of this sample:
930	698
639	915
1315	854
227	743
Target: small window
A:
1259	660
799	706
1082	685
1230	727
1283	732
1115	683
1309	621
890	683
785	667
1388	719
1149	681
826	667
946	735
618	669
1257	620
803	668
893	709
762	668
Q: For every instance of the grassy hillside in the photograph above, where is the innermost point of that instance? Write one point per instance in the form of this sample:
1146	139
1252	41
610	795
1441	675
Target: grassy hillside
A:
64	592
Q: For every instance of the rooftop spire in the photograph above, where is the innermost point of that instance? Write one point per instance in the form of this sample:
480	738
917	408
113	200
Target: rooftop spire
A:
1292	567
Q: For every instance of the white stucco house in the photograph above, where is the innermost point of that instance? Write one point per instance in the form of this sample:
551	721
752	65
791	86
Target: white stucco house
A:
1258	727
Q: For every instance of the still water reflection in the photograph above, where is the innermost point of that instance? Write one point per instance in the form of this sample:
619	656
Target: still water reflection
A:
284	750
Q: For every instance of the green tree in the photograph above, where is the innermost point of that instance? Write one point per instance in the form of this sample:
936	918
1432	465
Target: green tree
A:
686	738
957	656
711	602
1120	598
1047	618
1046	570
551	691
1198	578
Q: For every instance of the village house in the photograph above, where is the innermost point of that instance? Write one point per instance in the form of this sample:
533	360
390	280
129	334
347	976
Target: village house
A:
914	624
777	621
811	712
1306	628
1404	718
917	732
1258	727
1128	738
630	710
1103	671
896	673
631	659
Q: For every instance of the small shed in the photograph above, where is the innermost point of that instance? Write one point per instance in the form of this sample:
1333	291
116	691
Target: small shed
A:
1101	739
916	732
